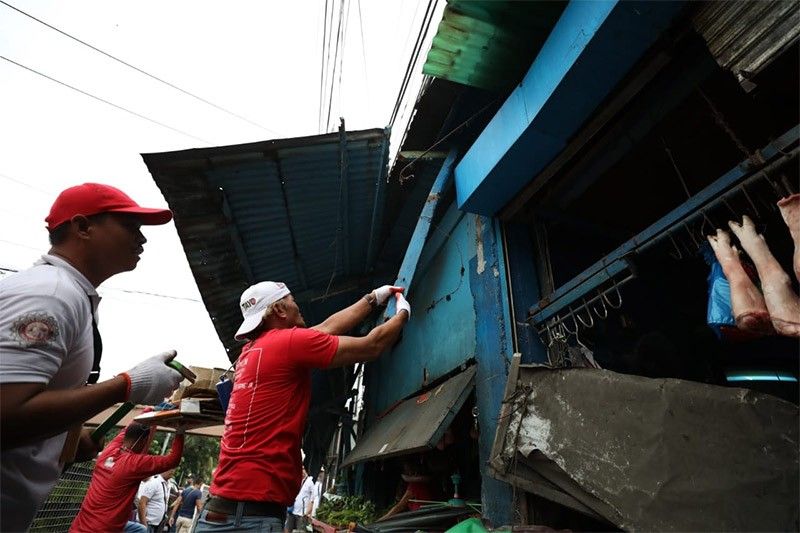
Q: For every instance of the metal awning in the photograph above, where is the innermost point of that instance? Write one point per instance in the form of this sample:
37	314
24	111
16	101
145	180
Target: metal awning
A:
415	424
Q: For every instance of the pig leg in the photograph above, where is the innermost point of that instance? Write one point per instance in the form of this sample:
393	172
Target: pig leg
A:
782	303
747	303
790	211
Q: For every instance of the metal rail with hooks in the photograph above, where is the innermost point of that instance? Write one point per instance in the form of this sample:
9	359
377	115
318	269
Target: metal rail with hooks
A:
582	315
672	227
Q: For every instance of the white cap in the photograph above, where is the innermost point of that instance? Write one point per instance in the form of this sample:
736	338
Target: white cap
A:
255	299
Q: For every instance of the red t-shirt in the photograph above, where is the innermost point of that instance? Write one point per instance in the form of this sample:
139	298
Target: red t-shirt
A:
259	457
115	480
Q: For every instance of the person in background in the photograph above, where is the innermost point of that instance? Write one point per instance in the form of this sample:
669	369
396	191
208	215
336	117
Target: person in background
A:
189	501
51	346
260	466
419	485
319	489
298	518
154	501
116	478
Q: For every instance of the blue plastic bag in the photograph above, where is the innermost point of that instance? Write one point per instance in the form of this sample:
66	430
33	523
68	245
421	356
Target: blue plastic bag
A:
224	390
719	311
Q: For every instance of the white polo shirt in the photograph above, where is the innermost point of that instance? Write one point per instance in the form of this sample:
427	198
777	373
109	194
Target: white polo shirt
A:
156	490
45	337
304	497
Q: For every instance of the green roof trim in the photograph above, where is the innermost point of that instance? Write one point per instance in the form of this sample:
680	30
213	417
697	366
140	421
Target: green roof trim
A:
489	44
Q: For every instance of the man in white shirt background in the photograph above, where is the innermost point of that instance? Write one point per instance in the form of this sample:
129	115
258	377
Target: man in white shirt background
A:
303	505
319	489
153	500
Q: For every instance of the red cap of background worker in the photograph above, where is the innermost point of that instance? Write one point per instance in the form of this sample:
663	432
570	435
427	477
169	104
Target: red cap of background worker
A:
94	198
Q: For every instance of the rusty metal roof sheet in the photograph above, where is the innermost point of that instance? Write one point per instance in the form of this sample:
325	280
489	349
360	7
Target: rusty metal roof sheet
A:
306	211
415	424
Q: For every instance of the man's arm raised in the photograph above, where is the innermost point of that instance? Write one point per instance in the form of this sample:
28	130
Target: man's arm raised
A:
353	350
349	317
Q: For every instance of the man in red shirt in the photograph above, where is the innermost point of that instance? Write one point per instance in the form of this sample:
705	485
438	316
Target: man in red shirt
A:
119	469
259	467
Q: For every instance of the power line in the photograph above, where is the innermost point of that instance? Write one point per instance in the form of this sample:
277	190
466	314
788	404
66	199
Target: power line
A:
33	187
364	56
335	55
130	291
105	101
141	71
423	32
322	65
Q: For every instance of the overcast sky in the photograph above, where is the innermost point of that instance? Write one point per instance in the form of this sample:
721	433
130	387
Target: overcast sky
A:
260	60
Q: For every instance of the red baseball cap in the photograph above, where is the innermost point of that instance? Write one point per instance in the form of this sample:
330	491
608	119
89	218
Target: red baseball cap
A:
93	198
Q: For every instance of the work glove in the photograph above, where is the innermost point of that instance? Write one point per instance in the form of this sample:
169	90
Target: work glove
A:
402	304
382	293
152	380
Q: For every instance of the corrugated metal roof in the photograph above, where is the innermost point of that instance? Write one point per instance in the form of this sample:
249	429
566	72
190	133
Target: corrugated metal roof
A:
280	210
417	423
490	44
744	36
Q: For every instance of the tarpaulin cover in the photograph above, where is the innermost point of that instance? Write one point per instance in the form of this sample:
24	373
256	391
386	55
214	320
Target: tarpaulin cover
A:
651	454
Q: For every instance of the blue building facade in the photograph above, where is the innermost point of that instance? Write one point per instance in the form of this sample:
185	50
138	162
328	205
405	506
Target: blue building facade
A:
538	227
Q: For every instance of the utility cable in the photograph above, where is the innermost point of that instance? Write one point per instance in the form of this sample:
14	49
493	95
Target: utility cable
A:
176	130
341	58
130	291
429	11
335	56
401	91
322	126
421	36
28	185
322	65
364	57
141	71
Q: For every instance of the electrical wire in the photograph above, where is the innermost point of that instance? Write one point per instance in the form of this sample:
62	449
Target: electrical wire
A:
323	129
341	57
364	56
141	71
28	185
134	113
130	291
322	65
421	35
335	56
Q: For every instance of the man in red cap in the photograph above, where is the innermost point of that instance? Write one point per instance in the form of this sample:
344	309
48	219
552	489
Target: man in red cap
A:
51	347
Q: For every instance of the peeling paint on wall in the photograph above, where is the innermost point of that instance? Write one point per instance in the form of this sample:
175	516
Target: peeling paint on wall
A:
479	244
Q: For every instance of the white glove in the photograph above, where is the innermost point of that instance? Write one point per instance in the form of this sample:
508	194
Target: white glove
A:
402	304
152	380
382	293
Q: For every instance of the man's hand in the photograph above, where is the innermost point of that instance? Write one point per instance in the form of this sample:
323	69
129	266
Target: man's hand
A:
87	447
152	380
402	304
382	293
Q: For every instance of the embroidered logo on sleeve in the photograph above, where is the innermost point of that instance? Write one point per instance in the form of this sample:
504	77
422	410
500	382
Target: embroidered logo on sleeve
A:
34	329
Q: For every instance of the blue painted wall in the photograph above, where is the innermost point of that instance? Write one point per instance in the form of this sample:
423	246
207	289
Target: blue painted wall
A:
439	337
593	45
493	353
462	259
